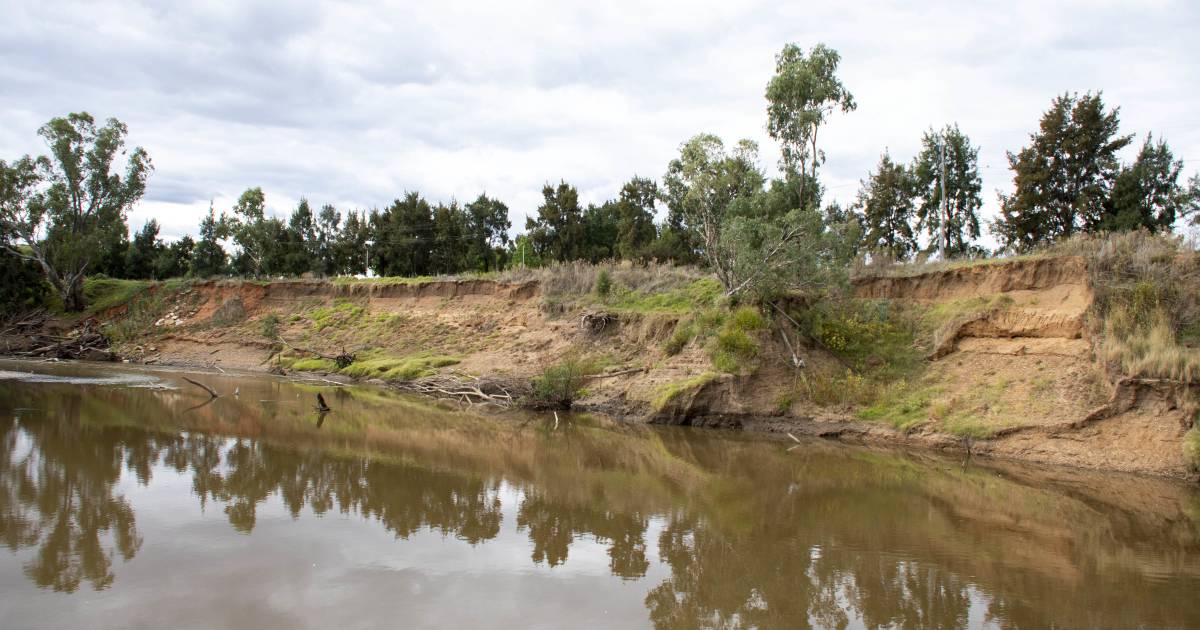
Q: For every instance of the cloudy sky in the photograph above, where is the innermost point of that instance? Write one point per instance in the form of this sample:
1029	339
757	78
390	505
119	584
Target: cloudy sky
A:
355	103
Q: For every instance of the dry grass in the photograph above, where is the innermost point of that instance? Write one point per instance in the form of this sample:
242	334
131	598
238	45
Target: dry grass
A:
1147	306
579	278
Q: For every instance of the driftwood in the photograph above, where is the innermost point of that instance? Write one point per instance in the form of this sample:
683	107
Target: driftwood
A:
465	389
86	342
341	360
211	391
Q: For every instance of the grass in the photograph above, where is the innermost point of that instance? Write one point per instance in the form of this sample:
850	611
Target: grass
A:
1147	305
340	313
671	391
398	368
1191	448
314	365
696	295
735	347
104	293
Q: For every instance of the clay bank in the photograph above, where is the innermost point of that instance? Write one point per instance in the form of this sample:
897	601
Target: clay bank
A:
1002	359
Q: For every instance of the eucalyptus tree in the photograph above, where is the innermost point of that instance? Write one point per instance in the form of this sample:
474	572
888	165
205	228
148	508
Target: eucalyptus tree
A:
63	210
143	253
262	240
701	186
804	92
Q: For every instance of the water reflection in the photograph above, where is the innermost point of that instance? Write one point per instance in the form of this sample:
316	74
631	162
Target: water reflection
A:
748	533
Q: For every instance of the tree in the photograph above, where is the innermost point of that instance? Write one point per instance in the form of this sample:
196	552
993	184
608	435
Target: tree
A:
558	231
1064	177
143	252
1148	193
599	232
402	234
350	245
172	261
963	188
22	285
487	231
447	252
325	258
208	257
635	217
261	239
801	96
701	186
300	255
885	202
64	211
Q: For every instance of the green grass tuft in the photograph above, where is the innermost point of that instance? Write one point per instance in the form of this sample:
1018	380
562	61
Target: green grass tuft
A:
398	368
314	365
669	392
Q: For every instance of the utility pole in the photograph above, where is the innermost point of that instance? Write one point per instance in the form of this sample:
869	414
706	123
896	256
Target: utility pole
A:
945	201
368	265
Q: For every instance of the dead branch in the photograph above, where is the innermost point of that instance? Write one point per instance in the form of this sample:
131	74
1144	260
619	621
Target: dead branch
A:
341	360
612	374
471	390
206	388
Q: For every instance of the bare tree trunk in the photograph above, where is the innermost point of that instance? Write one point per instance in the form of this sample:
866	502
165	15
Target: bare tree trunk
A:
71	290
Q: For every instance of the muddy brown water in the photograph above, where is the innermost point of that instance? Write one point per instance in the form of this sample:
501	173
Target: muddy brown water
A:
126	502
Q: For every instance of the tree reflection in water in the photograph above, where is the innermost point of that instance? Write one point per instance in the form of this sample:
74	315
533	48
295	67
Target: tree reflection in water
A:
751	535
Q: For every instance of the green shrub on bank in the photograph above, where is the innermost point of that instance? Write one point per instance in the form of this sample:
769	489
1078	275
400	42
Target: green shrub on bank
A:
734	346
562	383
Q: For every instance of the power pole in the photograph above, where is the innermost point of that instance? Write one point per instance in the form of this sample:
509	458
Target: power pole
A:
945	201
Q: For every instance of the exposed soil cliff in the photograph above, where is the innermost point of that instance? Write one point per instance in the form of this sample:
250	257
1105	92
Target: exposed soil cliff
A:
1011	371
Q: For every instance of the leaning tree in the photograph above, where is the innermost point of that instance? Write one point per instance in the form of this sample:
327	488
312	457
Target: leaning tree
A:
60	210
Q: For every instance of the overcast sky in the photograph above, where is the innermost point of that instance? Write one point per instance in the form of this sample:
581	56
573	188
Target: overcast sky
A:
355	103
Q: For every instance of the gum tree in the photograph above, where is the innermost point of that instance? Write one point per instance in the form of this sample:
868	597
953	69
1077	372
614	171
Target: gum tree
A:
60	210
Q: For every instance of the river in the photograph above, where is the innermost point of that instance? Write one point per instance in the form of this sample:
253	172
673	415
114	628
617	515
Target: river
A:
128	501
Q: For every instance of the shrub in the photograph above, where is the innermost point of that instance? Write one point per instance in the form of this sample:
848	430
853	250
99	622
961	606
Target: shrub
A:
734	346
269	325
562	383
603	283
